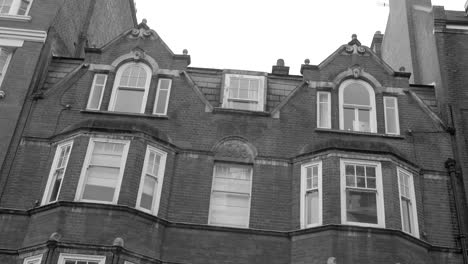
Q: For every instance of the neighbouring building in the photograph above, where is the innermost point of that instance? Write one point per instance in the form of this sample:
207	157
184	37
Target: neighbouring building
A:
126	155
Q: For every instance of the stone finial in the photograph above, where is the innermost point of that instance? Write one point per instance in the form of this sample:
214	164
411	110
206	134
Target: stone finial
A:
185	52
118	241
280	62
354	41
402	69
378	32
354	36
144	21
307	61
55	237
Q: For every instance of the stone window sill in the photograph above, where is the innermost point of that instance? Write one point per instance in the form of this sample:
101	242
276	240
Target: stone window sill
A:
86	111
221	110
356	133
15	18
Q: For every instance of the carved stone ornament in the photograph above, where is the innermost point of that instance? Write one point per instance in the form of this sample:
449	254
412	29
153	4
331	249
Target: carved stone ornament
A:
354	46
234	149
356	72
142	31
138	55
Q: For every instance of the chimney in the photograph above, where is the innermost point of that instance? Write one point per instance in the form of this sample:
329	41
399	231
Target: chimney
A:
280	69
466	8
376	45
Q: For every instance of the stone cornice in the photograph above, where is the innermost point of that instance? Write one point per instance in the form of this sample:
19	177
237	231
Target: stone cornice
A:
23	34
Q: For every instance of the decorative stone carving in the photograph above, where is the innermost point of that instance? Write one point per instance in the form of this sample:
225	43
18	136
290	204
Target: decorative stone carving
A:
235	149
356	72
331	260
354	46
143	31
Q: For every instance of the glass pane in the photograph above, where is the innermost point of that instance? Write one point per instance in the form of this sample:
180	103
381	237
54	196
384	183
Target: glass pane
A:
231	185
356	94
229	209
312	207
323	97
82	262
371	183
348	119
243	105
5	6
370	171
407	215
95	97
244	83
70	262
390	122
361	207
364	121
106	160
149	191
56	187
233	171
350	170
164	84
390	102
361	182
100	183
323	115
360	170
161	103
350	181
244	93
128	101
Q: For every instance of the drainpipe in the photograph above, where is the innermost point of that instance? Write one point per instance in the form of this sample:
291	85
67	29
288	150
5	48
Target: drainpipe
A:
450	164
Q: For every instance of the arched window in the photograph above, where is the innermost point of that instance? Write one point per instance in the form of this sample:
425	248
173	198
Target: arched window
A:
131	88
357	106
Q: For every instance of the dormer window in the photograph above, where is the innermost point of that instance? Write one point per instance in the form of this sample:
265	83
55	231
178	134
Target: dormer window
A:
357	106
245	92
131	88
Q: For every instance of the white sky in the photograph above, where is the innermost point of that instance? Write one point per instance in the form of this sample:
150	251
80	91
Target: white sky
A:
252	35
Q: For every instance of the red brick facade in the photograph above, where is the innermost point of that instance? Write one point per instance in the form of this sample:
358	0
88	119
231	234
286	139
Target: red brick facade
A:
197	133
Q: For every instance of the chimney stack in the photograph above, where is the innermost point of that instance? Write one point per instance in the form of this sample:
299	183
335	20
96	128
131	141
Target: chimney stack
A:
466	8
279	68
376	45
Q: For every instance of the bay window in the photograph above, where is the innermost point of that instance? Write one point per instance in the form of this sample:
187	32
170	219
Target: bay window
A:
102	171
57	172
361	193
151	181
409	217
230	195
311	194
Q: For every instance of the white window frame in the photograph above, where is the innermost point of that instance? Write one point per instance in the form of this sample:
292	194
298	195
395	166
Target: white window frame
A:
414	220
160	179
89	152
372	112
158	94
397	118
15	5
93	87
379	192
304	191
120	71
37	259
51	178
328	94
250	195
76	257
260	96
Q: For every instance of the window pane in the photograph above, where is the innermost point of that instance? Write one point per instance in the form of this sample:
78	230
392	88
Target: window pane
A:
312	207
243	105
128	101
361	207
348	119
390	122
95	97
356	94
149	191
229	209
56	186
5	6
161	103
364	121
324	113
407	215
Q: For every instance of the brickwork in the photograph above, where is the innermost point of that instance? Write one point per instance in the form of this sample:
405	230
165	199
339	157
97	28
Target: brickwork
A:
190	134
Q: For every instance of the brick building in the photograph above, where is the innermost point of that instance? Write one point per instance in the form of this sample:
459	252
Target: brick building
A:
127	155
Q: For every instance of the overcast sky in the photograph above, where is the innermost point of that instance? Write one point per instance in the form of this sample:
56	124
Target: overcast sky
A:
252	35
